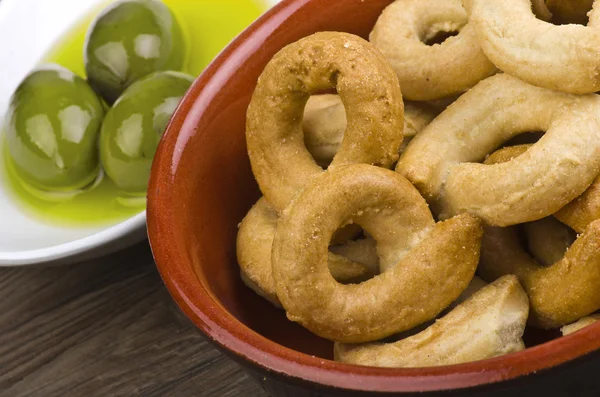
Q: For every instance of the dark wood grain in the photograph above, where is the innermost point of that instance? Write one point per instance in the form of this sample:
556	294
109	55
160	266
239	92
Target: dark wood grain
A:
105	328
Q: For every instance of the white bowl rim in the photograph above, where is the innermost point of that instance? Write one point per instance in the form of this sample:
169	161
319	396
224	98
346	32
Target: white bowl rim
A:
75	247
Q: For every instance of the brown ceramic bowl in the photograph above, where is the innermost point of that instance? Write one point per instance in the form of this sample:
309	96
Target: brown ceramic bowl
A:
202	186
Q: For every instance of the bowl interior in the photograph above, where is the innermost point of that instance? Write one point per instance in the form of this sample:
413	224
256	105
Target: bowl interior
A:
202	186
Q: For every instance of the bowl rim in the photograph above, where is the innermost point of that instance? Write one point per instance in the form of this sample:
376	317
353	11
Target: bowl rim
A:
242	342
71	249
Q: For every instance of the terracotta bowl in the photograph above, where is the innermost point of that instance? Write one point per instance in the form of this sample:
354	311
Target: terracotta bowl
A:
202	186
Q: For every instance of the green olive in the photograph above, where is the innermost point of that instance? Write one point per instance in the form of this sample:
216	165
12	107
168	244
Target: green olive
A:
129	40
134	125
52	128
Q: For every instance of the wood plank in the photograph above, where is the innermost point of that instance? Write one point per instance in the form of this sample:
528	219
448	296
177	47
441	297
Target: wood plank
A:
105	327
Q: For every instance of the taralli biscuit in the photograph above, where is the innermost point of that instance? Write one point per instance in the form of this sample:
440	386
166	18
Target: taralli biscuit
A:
582	211
488	324
474	285
351	250
549	242
579	213
553	172
570	11
368	87
538	7
325	122
436	71
419	263
579	325
559	294
254	243
547	239
522	45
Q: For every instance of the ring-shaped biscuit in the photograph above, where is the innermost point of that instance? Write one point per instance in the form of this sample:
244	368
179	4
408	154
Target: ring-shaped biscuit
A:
475	285
559	294
255	241
325	122
582	211
579	213
563	58
488	324
547	239
369	90
428	72
560	291
435	271
538	7
553	172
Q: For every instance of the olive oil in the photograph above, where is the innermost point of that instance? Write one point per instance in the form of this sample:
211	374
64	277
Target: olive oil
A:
208	25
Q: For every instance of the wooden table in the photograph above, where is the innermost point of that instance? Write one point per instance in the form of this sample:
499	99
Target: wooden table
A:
107	327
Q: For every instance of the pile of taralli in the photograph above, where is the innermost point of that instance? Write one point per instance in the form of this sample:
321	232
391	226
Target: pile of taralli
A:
486	110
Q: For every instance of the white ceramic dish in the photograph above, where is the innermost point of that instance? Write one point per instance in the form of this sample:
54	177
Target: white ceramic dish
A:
28	28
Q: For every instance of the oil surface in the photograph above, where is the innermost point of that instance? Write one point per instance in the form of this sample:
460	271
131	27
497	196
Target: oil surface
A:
208	25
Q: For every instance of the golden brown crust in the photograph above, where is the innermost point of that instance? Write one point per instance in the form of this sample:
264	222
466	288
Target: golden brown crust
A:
254	244
522	45
559	294
562	291
579	213
474	285
547	238
506	154
553	172
368	87
429	72
325	122
488	324
582	211
436	270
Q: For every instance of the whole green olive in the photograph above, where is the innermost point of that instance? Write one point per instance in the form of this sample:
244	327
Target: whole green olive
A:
52	128
129	40
134	125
